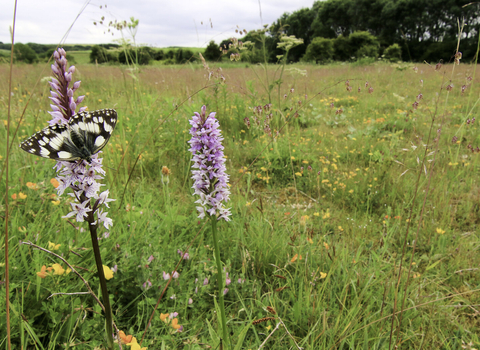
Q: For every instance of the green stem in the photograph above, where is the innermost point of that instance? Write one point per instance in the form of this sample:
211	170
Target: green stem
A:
103	281
220	281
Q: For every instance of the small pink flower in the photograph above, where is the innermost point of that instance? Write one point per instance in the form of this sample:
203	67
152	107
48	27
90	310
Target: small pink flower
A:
227	280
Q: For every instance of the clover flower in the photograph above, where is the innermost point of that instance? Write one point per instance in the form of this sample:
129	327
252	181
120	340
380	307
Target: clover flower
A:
80	176
210	177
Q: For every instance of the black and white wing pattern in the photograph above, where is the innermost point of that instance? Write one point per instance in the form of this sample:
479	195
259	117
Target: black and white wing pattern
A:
85	134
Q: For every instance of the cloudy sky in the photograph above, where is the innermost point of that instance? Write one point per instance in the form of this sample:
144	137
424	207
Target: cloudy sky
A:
163	23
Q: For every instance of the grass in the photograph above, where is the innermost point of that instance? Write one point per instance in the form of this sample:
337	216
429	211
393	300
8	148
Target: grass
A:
321	246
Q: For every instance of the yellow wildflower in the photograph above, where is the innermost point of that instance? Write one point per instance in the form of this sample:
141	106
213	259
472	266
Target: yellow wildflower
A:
125	338
107	272
175	324
58	269
43	272
134	345
32	186
54	182
53	246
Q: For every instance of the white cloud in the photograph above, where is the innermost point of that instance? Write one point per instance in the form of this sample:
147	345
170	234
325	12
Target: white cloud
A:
162	23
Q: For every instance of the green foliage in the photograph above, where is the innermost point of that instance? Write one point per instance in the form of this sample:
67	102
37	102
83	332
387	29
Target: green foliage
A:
440	51
370	51
393	53
320	50
342	48
364	44
158	55
170	54
139	55
320	212
212	52
184	56
24	53
100	55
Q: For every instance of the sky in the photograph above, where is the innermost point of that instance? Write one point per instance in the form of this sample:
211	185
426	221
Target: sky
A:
163	23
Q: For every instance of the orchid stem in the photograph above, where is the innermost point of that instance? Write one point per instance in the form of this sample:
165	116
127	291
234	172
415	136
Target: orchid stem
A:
220	281
103	281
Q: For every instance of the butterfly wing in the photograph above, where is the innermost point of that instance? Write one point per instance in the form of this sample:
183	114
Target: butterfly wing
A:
85	134
90	131
49	143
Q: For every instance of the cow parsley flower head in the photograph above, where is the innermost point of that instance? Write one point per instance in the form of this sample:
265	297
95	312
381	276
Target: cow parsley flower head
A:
210	177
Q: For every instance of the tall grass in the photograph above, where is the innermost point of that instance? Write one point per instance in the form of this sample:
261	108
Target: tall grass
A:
322	247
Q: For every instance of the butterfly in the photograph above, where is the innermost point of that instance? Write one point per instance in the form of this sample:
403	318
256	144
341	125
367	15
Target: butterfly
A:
85	134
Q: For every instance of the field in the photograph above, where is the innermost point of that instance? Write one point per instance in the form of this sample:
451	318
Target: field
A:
355	219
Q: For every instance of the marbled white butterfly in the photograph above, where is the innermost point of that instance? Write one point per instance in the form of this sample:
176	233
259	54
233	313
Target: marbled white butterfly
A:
85	134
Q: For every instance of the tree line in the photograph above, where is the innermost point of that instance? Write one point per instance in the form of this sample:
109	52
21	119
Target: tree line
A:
343	30
140	55
331	30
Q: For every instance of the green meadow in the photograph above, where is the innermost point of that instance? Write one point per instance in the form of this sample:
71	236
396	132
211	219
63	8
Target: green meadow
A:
354	219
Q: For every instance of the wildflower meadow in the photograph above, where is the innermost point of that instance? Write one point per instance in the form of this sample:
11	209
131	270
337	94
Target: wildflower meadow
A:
236	206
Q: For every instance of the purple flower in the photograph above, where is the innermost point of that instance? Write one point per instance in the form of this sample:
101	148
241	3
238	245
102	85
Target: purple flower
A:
173	315
80	176
227	280
166	276
115	268
205	281
225	291
175	275
102	217
64	104
184	256
150	259
240	280
80	210
211	179
190	301
147	284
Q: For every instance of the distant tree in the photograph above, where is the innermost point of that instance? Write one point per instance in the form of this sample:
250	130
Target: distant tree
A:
139	56
189	55
393	53
212	52
342	49
170	54
38	48
100	55
364	44
320	50
158	55
179	56
183	55
24	53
